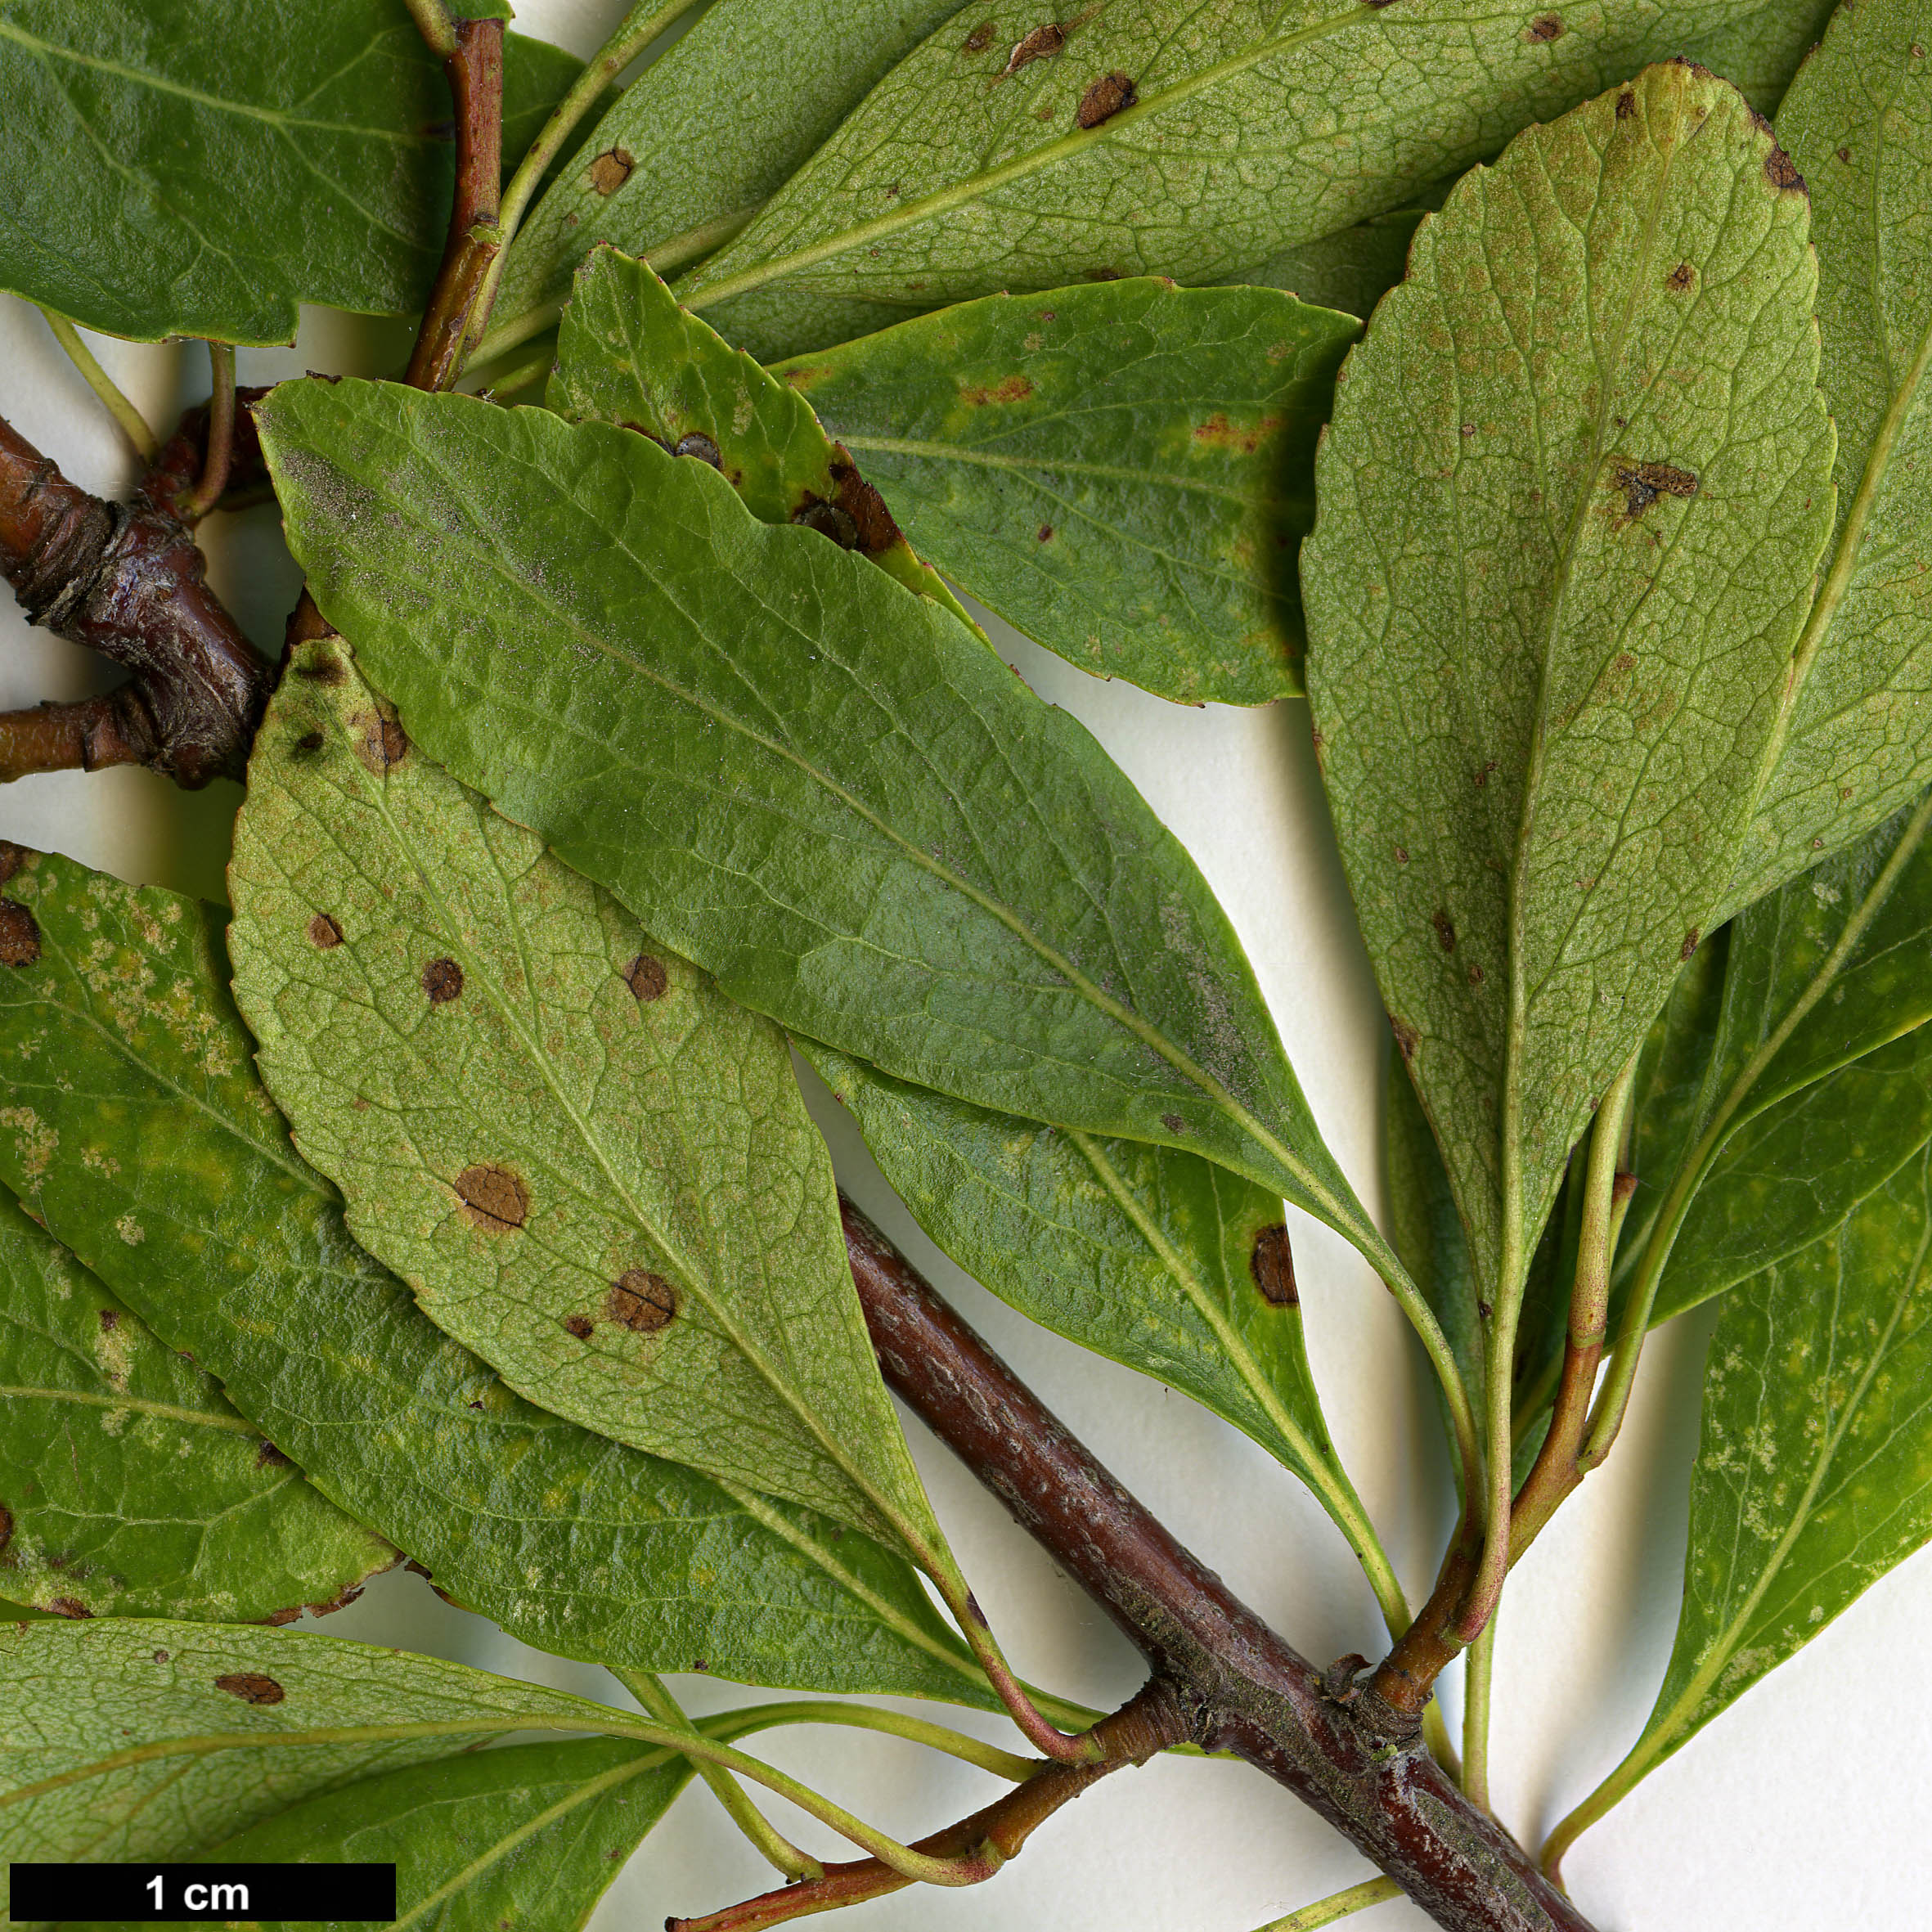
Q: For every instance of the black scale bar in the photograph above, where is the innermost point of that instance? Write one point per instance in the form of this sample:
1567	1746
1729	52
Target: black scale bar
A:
202	1894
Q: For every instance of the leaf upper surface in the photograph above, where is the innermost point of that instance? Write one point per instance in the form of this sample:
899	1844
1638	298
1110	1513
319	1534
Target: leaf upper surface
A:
127	1484
123	1044
1811	1478
1859	743
1124	472
1193	142
593	1170
824	790
1152	1257
128	123
1571	500
627	353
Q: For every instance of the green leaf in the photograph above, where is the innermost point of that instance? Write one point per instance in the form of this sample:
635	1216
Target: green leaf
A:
131	1738
593	1170
824	790
1152	1257
1550	603
1125	472
529	1835
1810	1481
135	1125
1804	1088
1145	140
127	1484
692	147
627	353
126	130
536	77
1350	270
1854	743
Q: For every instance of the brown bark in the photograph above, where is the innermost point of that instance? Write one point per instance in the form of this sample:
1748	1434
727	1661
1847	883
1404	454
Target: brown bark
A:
475	73
1333	1743
126	580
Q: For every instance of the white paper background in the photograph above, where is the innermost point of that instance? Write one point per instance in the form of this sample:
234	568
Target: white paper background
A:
1805	1806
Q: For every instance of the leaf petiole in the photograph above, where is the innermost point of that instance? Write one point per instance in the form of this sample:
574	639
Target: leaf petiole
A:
1338	1905
133	424
778	1850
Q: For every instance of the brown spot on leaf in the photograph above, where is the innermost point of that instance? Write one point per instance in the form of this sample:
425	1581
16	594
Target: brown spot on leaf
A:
979	39
1110	95
646	978
1546	27
1015	389
323	934
269	1456
1445	929
251	1686
1220	434
380	742
1484	1311
1475	976
581	1326
1642	483
1174	1123
1406	1037
309	744
871	520
1401	854
611	170
20	934
442	980
109	1321
6	1526
1782	170
1037	46
1046	532
829	520
1680	278
493	1198
12	857
71	1607
641	1301
1626	105
1690	944
1844	154
697	444
1271	1261
323	667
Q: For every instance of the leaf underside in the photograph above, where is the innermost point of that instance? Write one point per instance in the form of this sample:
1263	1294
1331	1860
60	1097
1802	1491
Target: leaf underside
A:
137	1127
1193	145
1859	743
825	791
593	1170
1551	600
214	1711
705	135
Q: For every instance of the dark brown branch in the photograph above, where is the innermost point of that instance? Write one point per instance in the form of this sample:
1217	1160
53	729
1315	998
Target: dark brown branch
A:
1332	1742
1152	1721
129	582
475	72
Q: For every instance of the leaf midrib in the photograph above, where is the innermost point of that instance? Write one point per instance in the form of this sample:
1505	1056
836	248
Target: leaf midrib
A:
1637	282
987	182
1362	1233
167	1411
950	452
